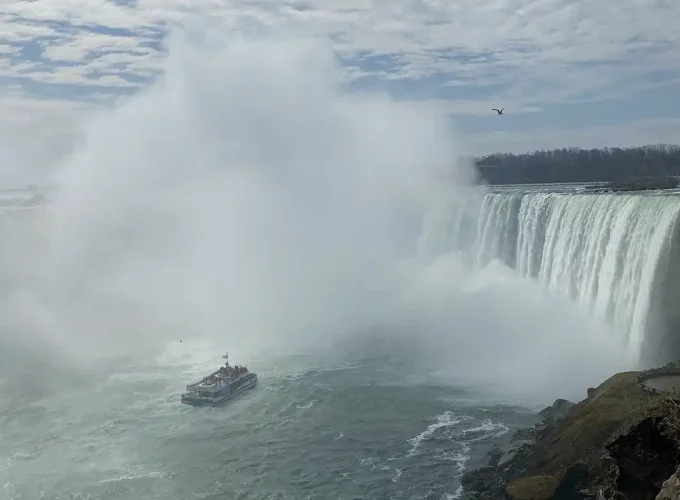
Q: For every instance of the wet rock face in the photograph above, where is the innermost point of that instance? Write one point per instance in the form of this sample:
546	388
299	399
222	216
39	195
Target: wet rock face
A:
511	460
621	443
574	484
513	451
670	490
645	459
484	483
552	414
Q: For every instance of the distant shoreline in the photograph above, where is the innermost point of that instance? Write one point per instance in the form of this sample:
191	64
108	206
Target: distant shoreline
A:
576	165
636	184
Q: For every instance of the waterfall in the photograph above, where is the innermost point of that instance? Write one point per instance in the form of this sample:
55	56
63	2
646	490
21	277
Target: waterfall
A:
613	253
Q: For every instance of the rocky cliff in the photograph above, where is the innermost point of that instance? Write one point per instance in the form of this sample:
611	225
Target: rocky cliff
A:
622	442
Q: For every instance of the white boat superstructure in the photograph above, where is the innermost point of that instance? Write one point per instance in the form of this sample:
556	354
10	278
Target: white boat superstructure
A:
220	386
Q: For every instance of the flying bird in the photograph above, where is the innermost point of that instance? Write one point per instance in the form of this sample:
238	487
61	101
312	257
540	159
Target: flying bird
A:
499	111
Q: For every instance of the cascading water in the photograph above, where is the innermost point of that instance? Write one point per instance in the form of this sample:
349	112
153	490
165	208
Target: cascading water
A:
247	201
610	252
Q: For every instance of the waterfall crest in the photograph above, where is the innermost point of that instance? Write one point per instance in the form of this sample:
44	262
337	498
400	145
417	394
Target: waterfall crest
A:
610	252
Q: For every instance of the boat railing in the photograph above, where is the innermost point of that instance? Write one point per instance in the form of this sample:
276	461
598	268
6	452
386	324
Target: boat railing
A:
199	381
204	379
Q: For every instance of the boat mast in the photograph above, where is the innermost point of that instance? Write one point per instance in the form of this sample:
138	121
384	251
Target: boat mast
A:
226	357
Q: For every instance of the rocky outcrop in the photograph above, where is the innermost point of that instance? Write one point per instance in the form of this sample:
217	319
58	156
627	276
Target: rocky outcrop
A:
622	442
644	456
670	489
553	414
509	461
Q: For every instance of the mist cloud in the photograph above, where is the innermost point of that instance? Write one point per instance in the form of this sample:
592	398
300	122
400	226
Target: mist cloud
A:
246	195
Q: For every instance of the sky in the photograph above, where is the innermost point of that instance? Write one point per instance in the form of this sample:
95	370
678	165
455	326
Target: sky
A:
568	72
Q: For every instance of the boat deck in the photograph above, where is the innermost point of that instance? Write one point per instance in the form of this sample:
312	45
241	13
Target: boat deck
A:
193	397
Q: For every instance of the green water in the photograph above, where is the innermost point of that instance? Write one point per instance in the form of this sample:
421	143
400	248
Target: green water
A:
360	428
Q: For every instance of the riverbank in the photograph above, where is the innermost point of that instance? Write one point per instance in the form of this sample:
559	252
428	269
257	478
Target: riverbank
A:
638	183
622	442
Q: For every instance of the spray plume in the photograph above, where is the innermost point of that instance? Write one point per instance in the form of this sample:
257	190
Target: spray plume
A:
247	195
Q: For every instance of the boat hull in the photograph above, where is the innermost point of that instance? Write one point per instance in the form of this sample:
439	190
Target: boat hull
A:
196	401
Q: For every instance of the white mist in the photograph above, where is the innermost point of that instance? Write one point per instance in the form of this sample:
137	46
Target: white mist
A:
246	195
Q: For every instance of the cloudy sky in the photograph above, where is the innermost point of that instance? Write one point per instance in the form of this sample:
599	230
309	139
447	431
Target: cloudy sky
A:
568	72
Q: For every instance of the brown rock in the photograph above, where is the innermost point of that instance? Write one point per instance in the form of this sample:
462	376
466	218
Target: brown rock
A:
670	490
532	488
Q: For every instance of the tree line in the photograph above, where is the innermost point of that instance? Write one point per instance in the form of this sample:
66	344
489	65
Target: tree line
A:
580	165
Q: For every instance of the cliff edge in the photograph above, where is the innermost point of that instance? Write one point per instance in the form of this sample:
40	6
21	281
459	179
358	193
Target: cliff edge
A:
622	442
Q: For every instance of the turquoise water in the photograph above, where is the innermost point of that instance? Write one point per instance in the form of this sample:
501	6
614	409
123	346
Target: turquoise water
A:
370	423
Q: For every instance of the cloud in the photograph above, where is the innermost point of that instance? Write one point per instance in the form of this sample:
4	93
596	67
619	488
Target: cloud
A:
525	55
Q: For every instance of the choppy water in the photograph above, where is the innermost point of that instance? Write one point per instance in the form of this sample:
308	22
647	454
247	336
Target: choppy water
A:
358	427
364	421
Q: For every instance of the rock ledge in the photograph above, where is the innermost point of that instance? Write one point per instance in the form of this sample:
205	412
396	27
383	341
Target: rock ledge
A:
622	442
